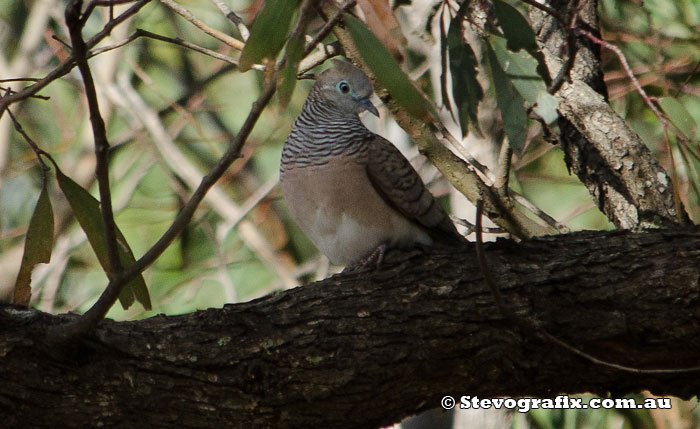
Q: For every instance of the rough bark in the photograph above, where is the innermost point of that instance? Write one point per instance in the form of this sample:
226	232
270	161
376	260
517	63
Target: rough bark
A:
621	173
364	349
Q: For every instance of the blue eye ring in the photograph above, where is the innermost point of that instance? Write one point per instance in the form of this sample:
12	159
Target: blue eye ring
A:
343	86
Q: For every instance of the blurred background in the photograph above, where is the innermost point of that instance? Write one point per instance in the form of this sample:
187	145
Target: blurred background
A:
171	112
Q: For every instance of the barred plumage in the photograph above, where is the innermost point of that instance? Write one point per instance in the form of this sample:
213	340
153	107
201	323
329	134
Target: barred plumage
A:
321	132
350	190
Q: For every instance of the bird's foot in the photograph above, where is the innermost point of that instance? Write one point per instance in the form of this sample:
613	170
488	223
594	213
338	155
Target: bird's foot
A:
373	258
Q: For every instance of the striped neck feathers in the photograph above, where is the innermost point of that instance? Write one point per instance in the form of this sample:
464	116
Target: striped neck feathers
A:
321	131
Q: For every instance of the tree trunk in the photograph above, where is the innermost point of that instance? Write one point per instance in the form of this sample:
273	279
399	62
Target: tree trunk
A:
365	349
610	159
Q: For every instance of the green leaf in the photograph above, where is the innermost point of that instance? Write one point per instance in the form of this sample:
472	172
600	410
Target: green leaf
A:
510	103
443	68
87	211
680	117
268	33
386	70
295	48
466	90
37	246
521	69
519	34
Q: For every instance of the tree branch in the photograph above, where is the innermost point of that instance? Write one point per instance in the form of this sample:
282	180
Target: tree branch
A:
628	183
364	349
75	22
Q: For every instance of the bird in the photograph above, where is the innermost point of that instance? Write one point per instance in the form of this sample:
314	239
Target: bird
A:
351	191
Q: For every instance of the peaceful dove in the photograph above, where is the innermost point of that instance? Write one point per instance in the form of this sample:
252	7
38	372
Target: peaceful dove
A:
351	191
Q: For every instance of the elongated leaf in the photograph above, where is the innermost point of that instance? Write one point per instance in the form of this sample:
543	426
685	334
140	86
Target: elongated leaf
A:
87	211
466	90
268	33
444	68
382	23
680	117
37	246
519	33
521	69
295	47
386	69
510	103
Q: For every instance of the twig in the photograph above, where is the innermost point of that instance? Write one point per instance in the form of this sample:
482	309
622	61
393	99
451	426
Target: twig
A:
237	21
194	89
319	57
505	157
9	91
628	70
110	2
176	41
39	152
481	168
471	227
260	194
20	79
327	27
80	51
541	214
223	37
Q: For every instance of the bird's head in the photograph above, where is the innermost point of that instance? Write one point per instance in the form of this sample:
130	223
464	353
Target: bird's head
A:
346	88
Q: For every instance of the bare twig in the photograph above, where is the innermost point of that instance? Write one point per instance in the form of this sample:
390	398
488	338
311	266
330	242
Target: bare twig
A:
176	41
11	91
223	37
471	227
110	2
626	66
260	194
327	27
537	211
20	79
39	152
486	174
237	21
318	57
503	170
80	52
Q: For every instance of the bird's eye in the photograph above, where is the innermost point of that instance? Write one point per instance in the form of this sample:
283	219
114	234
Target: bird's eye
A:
343	87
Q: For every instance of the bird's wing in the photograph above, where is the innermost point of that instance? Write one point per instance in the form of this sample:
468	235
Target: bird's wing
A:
400	185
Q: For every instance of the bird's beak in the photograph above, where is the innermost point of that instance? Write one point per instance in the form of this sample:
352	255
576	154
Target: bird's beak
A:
367	105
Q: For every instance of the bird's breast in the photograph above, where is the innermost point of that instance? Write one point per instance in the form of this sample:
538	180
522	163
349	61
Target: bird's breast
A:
336	205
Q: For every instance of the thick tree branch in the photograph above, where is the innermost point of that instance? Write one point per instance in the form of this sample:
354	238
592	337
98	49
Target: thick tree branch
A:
621	173
364	349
